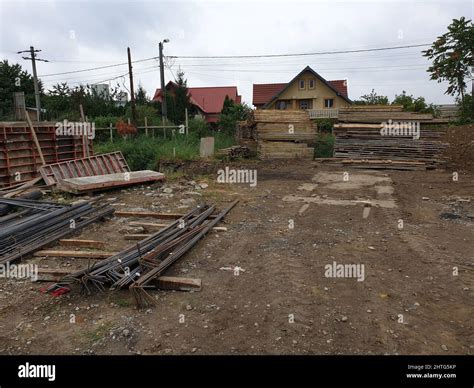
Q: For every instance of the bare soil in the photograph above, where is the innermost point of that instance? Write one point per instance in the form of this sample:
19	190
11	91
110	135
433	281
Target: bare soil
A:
280	301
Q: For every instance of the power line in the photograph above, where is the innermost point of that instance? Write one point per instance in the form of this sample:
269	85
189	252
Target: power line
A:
299	54
98	68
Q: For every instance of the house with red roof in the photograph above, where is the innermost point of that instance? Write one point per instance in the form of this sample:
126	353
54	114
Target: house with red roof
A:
207	101
308	90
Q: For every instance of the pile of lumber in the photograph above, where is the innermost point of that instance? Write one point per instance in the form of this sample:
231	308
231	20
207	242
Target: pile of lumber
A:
235	152
284	134
363	145
379	114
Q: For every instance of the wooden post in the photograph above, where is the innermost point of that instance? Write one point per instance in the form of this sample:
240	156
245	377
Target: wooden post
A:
128	120
35	138
111	133
85	143
146	126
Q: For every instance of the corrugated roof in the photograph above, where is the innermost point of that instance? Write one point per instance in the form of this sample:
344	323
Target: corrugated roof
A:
208	99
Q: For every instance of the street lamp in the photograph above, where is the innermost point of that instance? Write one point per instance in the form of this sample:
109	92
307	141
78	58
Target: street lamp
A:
162	76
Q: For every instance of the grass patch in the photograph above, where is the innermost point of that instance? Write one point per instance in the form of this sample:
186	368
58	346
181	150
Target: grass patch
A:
143	153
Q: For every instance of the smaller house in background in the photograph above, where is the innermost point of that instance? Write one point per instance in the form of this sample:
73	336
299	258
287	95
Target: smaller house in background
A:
307	91
207	101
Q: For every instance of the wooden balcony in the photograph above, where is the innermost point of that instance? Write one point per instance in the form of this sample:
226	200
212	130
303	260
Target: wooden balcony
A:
323	113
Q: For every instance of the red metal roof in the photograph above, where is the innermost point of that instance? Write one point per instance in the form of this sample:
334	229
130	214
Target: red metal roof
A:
340	85
262	93
208	99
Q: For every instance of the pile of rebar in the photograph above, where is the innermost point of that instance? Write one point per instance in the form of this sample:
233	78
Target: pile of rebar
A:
39	223
139	266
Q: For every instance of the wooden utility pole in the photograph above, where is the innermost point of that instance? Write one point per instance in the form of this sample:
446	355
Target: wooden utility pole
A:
33	59
164	113
132	90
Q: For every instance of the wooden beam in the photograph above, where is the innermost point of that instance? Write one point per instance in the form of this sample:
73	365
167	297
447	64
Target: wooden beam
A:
51	275
82	243
35	139
77	254
178	284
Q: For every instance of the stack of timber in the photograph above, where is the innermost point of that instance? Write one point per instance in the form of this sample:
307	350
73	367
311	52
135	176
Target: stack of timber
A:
235	152
380	113
364	146
284	134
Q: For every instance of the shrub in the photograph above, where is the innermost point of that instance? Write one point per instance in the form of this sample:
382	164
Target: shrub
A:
466	109
324	145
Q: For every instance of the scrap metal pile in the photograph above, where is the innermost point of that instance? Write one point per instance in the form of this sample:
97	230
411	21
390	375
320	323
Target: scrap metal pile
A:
39	223
139	266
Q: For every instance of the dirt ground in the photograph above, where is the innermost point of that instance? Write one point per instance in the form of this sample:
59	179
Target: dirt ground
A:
416	296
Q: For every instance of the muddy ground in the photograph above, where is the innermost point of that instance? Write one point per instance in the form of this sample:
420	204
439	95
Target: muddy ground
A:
416	246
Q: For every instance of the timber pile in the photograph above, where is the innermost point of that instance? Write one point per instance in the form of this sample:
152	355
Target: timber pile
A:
380	113
234	152
362	145
283	134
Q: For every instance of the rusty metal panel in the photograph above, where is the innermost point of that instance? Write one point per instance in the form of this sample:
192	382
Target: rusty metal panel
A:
103	164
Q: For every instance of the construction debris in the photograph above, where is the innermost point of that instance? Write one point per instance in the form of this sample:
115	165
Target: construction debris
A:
102	182
140	266
234	152
85	167
40	223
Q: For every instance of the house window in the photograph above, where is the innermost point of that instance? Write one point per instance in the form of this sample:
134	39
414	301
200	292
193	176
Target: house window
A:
328	102
301	84
281	105
311	84
306	104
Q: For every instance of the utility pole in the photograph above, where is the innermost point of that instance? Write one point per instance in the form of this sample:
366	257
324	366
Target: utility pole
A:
132	90
33	59
164	112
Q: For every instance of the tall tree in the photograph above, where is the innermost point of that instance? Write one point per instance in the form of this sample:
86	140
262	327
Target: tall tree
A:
140	96
181	98
372	99
14	79
452	55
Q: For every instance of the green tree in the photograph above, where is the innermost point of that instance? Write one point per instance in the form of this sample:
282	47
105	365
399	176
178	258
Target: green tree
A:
234	113
412	104
14	79
181	99
140	96
452	55
372	99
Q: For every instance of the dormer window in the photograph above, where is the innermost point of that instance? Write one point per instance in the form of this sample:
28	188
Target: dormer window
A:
302	84
311	84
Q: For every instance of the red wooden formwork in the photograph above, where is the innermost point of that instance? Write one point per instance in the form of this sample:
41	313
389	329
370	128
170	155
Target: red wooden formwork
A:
103	164
19	157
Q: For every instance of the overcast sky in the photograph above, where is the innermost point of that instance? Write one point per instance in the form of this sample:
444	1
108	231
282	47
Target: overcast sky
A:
75	35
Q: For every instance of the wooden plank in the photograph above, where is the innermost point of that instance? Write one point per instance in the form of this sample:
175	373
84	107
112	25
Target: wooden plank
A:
52	275
76	254
82	243
35	138
178	283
